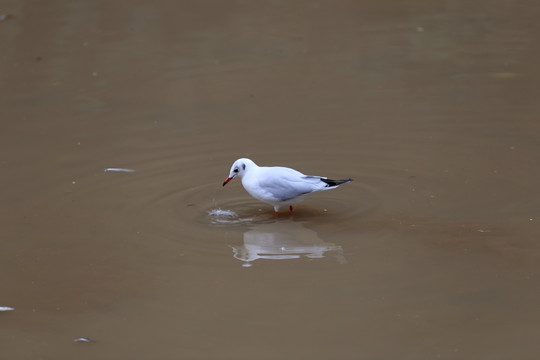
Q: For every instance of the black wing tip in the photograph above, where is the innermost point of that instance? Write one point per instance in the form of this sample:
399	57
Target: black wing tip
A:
331	182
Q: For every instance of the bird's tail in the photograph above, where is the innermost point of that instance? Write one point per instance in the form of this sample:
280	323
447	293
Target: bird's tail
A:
332	183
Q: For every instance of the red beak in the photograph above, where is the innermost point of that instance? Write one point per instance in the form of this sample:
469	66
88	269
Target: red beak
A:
227	180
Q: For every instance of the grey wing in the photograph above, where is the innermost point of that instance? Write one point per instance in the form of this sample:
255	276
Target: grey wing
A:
290	187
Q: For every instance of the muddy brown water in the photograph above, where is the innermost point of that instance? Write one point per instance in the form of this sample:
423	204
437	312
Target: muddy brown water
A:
432	107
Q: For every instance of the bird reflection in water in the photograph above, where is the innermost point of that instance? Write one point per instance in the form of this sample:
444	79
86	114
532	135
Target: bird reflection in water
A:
284	241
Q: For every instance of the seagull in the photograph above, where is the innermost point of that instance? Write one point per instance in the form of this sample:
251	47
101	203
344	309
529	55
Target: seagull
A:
278	186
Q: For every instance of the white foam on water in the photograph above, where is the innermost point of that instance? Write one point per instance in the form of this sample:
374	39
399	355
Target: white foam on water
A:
222	213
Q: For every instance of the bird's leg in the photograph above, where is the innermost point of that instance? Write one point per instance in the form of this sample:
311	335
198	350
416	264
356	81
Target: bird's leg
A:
291	208
277	214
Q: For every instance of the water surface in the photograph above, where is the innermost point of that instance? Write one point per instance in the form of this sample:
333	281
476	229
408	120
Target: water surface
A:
120	121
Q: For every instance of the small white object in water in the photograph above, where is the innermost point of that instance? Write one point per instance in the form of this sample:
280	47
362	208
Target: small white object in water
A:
6	308
119	170
85	340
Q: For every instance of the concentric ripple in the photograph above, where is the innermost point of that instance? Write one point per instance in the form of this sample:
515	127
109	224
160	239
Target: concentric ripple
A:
182	199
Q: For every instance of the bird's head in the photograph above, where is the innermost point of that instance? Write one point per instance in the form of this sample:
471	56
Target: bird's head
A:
239	169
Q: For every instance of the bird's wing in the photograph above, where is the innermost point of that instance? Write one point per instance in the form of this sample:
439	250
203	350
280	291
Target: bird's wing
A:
284	183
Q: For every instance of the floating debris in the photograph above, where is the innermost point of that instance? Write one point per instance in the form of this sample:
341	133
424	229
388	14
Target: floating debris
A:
84	340
6	308
4	17
119	170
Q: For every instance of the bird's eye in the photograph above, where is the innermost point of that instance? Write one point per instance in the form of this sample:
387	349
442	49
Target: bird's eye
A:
235	170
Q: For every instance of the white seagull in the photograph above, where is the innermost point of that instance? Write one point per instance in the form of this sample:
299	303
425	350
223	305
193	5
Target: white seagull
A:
278	186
